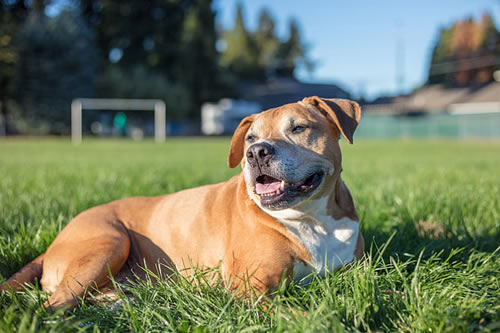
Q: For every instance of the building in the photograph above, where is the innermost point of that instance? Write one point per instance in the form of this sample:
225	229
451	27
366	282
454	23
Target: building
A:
437	98
276	92
223	117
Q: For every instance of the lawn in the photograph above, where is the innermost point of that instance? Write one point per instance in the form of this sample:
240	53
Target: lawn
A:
444	279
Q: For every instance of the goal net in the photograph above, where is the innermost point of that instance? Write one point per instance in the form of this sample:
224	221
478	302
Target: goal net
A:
80	104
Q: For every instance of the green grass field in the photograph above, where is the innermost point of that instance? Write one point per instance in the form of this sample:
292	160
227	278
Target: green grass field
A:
447	279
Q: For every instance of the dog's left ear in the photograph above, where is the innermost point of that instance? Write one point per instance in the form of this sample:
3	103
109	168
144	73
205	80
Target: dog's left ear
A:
238	141
345	114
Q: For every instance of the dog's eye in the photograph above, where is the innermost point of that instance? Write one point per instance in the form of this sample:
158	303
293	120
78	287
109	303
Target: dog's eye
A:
250	138
298	129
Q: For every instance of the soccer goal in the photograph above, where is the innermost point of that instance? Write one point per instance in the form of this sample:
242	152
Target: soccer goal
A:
80	104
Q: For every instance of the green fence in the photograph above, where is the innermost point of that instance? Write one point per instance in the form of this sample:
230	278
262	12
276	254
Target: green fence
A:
485	125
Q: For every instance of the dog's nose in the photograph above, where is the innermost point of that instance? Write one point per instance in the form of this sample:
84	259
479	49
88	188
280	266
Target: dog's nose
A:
259	153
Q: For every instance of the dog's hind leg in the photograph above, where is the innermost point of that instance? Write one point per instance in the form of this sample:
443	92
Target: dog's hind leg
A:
82	257
88	270
26	275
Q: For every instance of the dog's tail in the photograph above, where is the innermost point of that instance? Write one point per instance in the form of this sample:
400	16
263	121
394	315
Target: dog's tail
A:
27	274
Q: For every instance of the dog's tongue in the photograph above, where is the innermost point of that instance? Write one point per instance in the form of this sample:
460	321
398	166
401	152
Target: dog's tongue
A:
270	185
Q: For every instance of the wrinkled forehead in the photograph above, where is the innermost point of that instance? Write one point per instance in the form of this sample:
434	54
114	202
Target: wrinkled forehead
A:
274	119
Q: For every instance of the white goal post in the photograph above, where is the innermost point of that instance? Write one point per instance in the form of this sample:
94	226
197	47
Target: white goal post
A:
80	104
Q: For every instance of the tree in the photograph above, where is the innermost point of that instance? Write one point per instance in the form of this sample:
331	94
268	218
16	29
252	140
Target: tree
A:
170	39
291	52
267	42
440	55
241	53
12	14
465	53
139	81
198	69
261	54
56	64
141	32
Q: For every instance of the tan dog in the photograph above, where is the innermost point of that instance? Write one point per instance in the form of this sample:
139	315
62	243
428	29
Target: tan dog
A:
288	214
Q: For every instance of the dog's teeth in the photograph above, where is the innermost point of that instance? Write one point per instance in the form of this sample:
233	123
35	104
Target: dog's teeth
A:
282	187
278	192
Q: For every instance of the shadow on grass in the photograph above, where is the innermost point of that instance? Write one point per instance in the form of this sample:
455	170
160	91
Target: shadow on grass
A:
409	238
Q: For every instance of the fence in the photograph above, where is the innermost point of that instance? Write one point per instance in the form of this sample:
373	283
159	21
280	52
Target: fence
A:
483	125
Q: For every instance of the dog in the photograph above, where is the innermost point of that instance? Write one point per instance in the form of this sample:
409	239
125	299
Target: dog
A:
287	215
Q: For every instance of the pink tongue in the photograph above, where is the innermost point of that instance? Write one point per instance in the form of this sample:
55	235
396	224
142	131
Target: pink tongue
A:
267	187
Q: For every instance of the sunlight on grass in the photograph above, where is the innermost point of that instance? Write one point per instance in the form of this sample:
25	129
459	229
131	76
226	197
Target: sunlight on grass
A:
412	280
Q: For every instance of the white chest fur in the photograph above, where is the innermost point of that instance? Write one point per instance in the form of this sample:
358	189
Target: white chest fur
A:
331	243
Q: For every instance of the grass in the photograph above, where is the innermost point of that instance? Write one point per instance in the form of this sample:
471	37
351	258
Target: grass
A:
444	280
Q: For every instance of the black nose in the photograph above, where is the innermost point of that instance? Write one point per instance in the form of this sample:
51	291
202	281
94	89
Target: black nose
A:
259	153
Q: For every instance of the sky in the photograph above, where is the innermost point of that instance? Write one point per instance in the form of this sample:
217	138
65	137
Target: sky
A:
356	44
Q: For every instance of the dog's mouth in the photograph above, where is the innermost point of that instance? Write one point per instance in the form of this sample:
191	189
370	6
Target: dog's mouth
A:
278	194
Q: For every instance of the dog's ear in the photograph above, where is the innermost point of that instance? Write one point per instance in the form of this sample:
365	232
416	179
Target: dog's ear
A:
344	113
238	141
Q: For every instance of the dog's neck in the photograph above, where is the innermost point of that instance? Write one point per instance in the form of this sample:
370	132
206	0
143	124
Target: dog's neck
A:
326	226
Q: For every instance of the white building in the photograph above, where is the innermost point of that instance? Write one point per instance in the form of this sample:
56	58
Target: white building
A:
224	117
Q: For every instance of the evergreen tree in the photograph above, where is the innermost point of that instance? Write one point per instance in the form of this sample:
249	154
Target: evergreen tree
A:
139	81
291	52
170	39
261	54
132	32
198	69
56	64
267	42
241	53
12	15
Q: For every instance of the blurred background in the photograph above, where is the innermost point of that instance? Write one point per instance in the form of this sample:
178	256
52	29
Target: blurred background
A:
419	69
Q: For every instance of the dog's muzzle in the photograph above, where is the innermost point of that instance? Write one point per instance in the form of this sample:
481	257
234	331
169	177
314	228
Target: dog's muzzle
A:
260	154
272	187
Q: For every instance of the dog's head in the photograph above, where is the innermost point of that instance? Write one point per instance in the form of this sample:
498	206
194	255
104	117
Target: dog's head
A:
291	154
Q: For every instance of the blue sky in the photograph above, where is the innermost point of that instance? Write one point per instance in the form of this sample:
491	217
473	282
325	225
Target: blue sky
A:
355	42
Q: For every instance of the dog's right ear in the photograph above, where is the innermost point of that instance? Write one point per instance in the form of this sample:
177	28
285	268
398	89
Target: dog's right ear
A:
238	142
